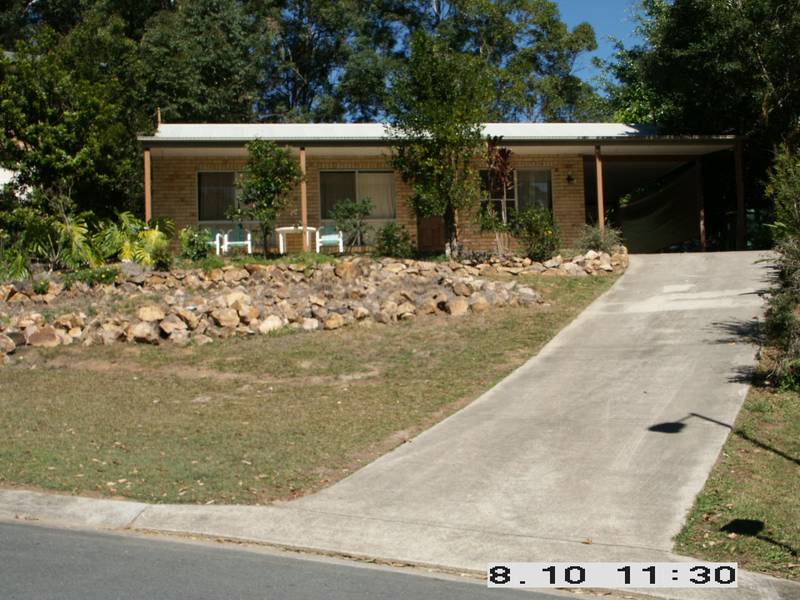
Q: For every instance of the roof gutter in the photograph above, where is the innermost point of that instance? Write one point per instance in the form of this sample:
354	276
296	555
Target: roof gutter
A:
722	141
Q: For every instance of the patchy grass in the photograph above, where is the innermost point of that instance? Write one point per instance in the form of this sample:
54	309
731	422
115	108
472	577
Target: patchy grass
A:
749	510
250	420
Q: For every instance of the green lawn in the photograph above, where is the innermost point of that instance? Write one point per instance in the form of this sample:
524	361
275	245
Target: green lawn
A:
749	511
250	420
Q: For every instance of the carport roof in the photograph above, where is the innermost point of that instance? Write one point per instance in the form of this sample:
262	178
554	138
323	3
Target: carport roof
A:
376	133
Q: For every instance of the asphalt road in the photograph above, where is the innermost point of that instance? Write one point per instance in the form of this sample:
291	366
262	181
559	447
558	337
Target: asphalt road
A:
42	563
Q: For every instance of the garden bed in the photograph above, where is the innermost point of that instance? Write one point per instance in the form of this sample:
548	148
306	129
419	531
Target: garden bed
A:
185	306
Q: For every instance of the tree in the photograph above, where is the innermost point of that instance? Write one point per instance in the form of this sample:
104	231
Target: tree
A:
715	67
331	61
269	177
326	61
71	107
20	18
199	62
530	50
439	100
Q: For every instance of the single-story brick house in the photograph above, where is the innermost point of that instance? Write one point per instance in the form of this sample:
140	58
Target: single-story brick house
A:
190	172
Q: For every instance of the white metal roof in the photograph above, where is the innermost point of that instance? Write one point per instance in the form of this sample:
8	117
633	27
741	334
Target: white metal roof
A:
372	132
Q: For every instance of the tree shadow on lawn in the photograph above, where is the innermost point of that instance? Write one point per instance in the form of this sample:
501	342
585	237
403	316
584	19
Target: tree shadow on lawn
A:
753	528
679	425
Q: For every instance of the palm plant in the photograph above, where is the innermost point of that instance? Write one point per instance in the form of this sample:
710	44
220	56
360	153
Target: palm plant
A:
63	243
131	239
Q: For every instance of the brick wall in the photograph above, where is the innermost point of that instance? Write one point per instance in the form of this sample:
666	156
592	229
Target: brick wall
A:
314	164
175	192
568	200
175	188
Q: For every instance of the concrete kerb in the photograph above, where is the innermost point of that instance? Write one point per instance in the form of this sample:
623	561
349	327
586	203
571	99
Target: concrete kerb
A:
120	516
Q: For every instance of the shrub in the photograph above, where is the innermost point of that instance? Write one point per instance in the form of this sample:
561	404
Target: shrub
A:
350	217
209	263
131	239
40	286
195	243
536	231
13	265
489	220
393	240
783	187
91	277
592	238
782	323
60	242
162	258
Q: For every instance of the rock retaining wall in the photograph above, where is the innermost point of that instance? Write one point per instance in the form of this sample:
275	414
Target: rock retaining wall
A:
185	306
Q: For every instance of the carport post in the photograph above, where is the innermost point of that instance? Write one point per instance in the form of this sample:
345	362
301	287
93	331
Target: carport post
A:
304	199
741	237
601	211
148	188
698	174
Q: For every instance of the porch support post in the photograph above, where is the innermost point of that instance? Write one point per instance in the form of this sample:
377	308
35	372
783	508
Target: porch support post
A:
304	199
741	237
148	187
601	211
701	205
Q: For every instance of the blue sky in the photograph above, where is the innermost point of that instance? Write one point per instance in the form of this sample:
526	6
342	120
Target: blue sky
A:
608	17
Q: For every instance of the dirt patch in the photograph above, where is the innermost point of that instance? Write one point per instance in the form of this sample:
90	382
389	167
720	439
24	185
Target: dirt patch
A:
96	365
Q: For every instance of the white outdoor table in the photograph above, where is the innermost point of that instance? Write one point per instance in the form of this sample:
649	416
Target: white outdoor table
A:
283	231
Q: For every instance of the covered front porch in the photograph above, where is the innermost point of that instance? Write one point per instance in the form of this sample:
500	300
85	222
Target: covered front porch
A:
577	170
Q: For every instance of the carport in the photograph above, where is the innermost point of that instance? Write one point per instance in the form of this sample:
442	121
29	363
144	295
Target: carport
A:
669	194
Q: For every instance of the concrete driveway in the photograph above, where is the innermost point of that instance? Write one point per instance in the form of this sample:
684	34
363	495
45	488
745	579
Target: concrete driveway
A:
563	451
593	450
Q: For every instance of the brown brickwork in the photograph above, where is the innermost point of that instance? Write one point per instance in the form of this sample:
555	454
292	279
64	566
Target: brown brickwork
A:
568	200
175	185
175	192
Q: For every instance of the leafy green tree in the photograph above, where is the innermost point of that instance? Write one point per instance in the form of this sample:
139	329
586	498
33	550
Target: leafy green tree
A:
326	61
708	66
531	52
20	18
71	108
266	185
439	100
199	63
715	67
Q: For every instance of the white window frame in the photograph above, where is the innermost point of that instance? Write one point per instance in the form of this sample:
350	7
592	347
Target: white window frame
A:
508	201
515	199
